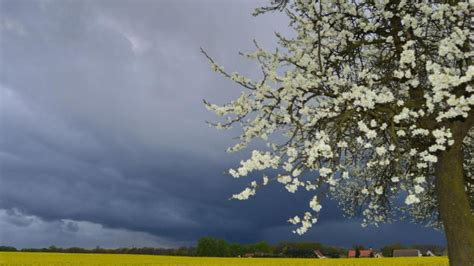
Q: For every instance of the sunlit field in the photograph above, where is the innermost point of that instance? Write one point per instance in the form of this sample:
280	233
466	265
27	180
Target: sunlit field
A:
24	258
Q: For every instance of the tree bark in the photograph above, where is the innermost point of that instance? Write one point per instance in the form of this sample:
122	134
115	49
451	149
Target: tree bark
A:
454	206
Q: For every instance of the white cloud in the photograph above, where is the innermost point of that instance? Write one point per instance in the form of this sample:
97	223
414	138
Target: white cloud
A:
9	24
138	44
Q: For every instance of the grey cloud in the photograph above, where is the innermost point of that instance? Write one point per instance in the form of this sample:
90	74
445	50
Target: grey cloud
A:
72	226
40	233
15	218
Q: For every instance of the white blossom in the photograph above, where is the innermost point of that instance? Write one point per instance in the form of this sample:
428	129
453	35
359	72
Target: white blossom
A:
420	179
325	171
245	194
314	204
379	190
284	179
411	199
418	189
380	150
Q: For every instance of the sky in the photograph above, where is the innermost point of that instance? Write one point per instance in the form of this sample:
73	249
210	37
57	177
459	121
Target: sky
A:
103	140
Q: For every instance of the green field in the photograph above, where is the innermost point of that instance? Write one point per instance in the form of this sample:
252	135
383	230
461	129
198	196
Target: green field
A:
25	258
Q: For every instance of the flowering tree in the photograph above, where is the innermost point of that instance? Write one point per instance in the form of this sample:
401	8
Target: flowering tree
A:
375	101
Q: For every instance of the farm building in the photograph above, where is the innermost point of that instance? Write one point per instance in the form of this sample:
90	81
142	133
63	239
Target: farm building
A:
256	255
319	254
407	253
378	255
364	253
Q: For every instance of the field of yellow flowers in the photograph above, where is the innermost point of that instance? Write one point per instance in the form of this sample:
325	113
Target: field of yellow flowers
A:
59	259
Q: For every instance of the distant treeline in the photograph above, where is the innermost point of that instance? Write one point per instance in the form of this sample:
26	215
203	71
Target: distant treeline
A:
182	251
213	247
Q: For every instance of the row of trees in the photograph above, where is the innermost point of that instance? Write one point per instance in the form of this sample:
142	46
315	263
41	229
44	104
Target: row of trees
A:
181	251
306	250
213	247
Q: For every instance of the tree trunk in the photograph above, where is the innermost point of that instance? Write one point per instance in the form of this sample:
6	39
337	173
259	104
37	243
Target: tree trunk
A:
454	207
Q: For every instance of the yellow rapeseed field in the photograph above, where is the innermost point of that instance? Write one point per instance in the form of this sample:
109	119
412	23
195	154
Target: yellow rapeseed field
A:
59	259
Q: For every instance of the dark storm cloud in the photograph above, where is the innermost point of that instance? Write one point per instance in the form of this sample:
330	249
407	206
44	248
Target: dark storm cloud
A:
67	233
102	123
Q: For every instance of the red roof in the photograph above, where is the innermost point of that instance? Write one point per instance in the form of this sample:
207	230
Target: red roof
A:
364	253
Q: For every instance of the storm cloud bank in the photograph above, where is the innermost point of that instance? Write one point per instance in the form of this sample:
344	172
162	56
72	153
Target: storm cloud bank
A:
103	138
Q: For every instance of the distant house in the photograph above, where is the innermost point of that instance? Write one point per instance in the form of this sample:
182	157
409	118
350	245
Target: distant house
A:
363	253
256	255
351	254
378	255
406	253
429	253
319	254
